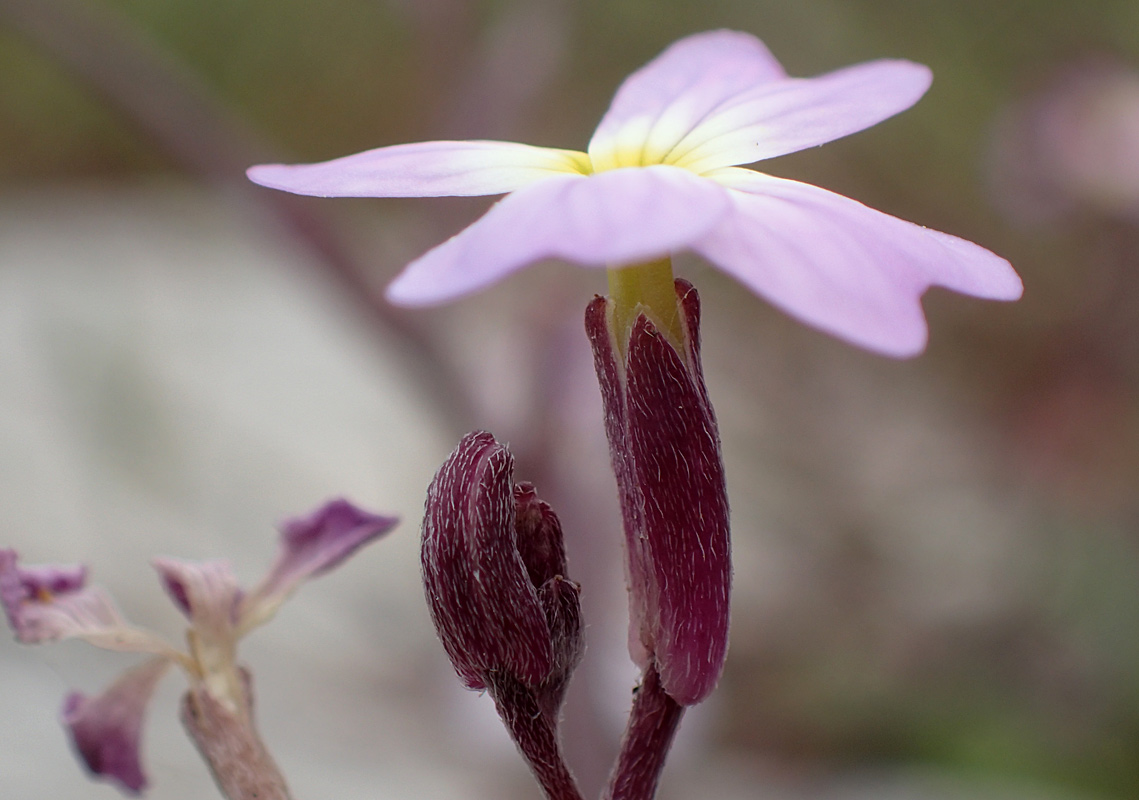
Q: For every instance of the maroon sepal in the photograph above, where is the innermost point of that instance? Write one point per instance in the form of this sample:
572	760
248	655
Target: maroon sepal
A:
665	449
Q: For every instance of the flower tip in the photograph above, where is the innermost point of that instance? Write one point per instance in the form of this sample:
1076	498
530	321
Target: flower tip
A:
287	178
310	546
172	575
891	84
322	540
47	602
404	292
260	173
901	348
1007	285
921	75
338	521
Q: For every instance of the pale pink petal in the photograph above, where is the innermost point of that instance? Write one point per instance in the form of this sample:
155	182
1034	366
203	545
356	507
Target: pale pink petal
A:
613	218
106	730
207	593
660	103
847	269
790	115
424	169
310	546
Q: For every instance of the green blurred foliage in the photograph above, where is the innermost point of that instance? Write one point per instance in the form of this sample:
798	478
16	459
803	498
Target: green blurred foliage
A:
325	78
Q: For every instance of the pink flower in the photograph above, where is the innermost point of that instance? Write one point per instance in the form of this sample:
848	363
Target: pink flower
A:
661	174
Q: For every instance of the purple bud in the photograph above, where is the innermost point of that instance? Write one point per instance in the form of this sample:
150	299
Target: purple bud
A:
542	551
494	574
665	448
539	536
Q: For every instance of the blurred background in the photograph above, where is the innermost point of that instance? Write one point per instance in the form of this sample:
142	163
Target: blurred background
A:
936	561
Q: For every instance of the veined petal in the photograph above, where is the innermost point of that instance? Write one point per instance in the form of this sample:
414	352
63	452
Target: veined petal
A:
612	218
847	269
208	594
310	546
424	169
47	603
106	729
660	103
205	591
794	114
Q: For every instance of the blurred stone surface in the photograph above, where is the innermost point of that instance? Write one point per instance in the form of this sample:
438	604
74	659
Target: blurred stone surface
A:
172	384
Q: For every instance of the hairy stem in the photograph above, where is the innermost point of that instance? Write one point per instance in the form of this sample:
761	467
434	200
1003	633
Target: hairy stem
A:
648	736
536	736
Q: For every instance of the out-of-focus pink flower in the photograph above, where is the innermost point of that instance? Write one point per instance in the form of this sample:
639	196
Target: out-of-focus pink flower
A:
661	174
1072	143
47	603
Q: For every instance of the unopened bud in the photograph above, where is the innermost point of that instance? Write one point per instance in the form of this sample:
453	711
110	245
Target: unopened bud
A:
494	574
665	449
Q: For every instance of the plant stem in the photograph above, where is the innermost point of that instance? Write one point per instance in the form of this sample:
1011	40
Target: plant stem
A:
242	767
648	736
536	736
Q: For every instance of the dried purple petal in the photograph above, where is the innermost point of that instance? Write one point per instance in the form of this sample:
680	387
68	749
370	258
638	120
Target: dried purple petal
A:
45	603
310	546
206	591
50	602
106	729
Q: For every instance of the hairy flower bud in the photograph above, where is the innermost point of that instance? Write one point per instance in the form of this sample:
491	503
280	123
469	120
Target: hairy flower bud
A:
494	574
665	449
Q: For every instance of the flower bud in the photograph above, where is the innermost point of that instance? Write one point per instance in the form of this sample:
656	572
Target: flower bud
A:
494	574
665	449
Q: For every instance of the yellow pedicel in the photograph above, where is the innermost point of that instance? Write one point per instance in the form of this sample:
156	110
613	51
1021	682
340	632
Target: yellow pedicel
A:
645	288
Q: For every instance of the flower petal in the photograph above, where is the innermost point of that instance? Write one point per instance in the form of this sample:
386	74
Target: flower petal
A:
106	729
209	596
206	592
842	267
51	602
310	546
660	103
617	217
791	115
424	169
